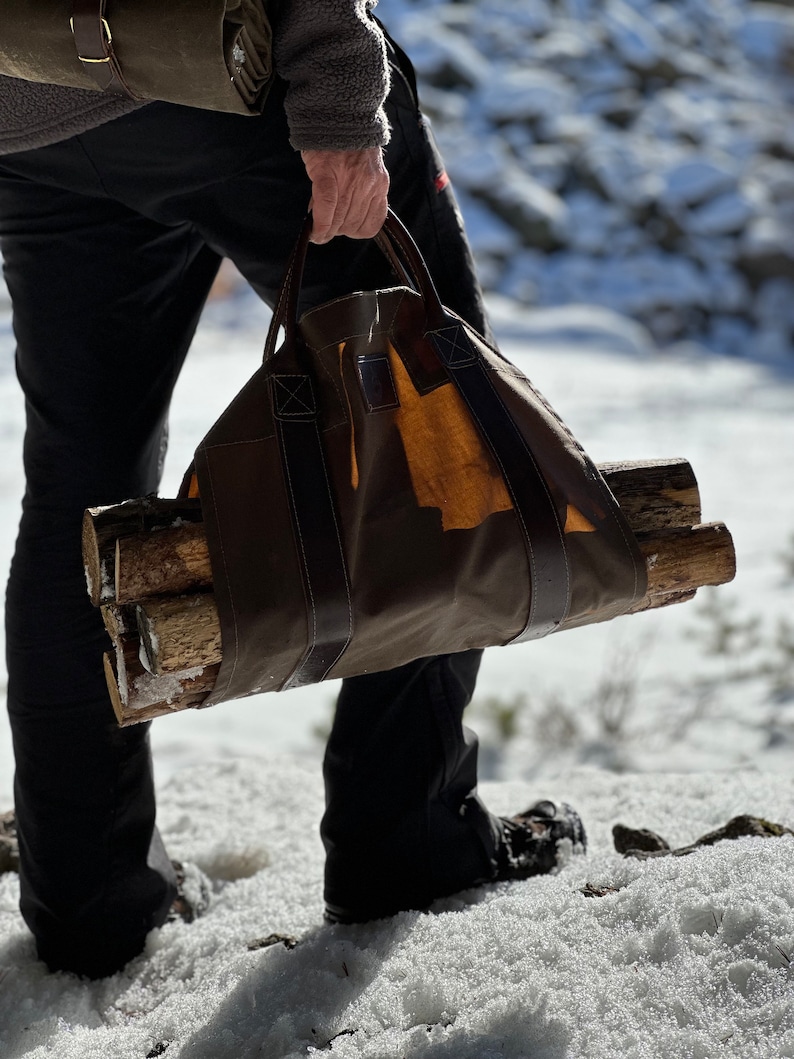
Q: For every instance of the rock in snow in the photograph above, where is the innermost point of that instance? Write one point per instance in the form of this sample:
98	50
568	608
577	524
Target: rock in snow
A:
638	150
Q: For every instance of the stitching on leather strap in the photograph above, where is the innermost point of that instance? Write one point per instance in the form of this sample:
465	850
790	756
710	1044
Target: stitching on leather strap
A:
534	507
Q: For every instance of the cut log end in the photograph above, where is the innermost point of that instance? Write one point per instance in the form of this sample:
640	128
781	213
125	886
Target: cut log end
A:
179	633
97	575
690	556
138	696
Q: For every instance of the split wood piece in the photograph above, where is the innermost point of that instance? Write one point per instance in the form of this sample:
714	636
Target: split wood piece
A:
120	621
169	562
653	494
102	526
138	696
180	633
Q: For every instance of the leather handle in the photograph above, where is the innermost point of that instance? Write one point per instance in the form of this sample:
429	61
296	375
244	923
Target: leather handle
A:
393	240
394	234
94	43
285	310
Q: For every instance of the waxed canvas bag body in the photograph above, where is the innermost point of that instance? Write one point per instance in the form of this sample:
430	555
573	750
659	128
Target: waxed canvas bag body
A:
215	54
388	487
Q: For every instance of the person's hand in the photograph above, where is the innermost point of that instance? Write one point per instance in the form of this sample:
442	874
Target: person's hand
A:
349	193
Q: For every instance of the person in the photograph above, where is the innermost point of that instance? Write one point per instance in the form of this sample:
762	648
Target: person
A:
114	217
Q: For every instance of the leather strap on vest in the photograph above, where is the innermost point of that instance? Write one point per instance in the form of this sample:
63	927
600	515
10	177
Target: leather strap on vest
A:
533	504
322	561
94	43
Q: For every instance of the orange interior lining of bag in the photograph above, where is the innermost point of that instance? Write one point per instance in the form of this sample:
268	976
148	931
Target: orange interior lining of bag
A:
575	521
453	471
450	466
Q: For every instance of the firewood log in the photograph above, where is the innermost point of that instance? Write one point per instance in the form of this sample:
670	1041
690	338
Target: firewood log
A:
184	631
147	561
179	632
686	557
137	695
136	550
103	526
654	494
177	557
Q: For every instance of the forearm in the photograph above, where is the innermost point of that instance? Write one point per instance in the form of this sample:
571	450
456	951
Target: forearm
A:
332	54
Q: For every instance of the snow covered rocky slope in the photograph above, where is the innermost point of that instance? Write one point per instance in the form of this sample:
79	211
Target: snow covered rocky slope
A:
628	153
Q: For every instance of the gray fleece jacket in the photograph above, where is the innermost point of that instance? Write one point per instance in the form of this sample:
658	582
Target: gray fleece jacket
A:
331	53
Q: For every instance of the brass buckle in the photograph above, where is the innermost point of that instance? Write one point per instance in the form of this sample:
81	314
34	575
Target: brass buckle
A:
108	41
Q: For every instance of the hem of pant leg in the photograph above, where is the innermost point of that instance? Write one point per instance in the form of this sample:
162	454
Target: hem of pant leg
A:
484	825
102	965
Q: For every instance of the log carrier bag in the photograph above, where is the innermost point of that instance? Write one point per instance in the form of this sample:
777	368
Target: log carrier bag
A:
214	54
387	487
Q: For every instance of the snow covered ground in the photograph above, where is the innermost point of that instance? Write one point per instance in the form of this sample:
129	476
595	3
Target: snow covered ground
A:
690	957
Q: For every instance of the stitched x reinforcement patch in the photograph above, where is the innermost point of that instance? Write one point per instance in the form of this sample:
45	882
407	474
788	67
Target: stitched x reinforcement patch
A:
293	396
453	345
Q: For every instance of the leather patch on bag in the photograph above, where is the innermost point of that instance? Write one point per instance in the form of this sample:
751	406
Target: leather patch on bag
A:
377	383
454	346
293	397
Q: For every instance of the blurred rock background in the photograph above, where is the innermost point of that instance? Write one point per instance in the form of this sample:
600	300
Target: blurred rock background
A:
632	154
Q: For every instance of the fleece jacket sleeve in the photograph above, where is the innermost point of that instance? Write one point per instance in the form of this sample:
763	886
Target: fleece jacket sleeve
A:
332	54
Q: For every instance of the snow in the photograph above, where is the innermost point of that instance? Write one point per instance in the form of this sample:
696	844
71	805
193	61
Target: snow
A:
696	180
767	34
724	215
630	200
689	957
633	37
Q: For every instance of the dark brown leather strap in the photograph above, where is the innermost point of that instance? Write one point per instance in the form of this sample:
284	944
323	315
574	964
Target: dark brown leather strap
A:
94	43
543	537
325	581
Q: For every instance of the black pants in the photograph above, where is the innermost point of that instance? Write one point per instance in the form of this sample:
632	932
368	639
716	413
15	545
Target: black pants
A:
111	241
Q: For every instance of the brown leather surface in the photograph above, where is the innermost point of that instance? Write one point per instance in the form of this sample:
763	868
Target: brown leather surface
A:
557	548
323	568
179	51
